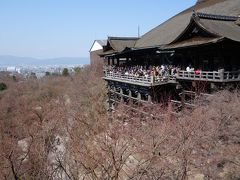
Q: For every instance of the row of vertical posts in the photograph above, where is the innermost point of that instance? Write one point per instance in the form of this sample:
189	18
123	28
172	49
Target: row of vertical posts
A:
139	96
111	61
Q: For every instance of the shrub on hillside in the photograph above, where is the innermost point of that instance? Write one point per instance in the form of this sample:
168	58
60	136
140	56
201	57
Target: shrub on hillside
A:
3	86
65	72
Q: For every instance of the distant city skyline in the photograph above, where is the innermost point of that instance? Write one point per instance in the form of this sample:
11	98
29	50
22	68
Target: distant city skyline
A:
18	61
61	28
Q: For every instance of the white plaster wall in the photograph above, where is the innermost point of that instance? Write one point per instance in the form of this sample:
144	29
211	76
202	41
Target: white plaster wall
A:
96	46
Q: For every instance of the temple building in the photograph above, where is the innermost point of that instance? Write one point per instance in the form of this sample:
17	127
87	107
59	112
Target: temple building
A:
197	48
95	51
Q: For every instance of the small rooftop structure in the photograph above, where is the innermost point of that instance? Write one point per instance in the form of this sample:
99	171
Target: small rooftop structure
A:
118	44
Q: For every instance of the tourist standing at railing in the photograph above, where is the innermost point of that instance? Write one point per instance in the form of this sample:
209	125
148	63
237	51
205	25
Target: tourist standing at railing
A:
198	71
154	73
173	71
158	72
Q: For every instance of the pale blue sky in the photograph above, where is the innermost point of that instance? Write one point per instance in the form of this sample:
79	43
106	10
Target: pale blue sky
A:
67	28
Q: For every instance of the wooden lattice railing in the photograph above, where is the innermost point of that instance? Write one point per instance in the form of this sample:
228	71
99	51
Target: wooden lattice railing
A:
213	76
146	80
216	76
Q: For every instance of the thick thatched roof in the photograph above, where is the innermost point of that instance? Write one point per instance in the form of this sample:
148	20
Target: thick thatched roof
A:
167	32
228	29
119	43
213	28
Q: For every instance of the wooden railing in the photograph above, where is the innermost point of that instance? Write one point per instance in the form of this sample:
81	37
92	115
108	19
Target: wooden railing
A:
231	75
214	76
217	76
149	80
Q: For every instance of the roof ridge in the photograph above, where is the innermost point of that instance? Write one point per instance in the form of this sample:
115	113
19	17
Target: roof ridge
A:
122	38
215	16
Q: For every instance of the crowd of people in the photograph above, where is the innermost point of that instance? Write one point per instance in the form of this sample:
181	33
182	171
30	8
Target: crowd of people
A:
144	71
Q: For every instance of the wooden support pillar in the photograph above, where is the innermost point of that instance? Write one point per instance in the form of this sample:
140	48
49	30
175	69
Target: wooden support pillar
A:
130	93
139	96
149	98
121	92
183	99
113	61
130	96
115	95
117	61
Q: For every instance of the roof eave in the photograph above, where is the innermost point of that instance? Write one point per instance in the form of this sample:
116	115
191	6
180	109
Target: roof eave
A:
215	40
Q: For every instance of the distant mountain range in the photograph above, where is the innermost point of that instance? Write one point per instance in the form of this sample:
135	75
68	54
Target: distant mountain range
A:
6	60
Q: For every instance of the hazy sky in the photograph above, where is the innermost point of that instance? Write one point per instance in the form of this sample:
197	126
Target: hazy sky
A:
60	28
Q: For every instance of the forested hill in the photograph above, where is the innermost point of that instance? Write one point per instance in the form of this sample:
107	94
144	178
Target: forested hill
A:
58	127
